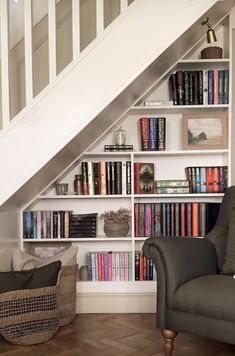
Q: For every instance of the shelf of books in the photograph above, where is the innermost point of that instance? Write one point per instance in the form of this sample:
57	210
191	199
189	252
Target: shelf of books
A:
169	173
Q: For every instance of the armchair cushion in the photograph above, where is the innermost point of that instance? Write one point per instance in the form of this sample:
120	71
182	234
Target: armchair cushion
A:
229	261
210	296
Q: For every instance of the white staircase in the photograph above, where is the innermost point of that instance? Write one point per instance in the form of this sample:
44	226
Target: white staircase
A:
99	86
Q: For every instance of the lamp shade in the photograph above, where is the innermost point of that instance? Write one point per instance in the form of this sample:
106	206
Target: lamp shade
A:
211	37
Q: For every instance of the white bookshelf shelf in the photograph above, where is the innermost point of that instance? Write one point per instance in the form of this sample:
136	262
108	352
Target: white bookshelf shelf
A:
108	154
180	153
204	61
67	197
140	287
174	109
196	195
80	240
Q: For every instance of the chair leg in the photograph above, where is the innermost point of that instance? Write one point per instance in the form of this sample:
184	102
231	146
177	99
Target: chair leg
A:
169	338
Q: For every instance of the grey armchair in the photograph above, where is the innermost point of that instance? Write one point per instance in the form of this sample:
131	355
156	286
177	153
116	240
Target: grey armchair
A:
192	296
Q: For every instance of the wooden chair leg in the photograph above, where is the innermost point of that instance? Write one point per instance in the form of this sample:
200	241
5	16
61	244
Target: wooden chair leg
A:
169	338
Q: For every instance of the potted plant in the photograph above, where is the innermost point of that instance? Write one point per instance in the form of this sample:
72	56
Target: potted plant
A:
116	223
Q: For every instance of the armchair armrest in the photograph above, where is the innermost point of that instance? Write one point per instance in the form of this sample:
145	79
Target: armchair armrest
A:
178	260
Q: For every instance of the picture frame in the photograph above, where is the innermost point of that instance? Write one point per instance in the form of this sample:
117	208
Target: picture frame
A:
205	130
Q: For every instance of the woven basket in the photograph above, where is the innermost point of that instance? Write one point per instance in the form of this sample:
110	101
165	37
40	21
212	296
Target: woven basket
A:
67	294
29	316
211	53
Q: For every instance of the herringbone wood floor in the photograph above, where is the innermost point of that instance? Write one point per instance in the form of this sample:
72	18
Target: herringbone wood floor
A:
116	335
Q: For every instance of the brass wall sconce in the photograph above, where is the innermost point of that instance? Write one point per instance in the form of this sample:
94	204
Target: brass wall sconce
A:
210	34
210	52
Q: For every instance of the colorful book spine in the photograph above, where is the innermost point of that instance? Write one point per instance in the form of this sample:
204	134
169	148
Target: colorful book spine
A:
153	135
172	219
118	177
221	86
177	219
210	87
205	87
186	88
161	133
189	219
203	179
202	219
85	178
195	219
157	219
180	87
195	88
172	183
103	178
226	87
128	177
183	219
173	190
173	88
216	179
216	86
148	220
200	87
96	174
90	172
144	133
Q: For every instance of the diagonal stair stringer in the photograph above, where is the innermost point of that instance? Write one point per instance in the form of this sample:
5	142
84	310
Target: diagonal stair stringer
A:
97	90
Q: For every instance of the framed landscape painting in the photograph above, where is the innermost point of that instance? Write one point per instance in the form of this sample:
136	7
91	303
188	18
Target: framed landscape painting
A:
202	131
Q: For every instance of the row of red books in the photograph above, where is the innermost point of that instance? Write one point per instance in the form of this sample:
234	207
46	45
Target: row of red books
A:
174	219
207	179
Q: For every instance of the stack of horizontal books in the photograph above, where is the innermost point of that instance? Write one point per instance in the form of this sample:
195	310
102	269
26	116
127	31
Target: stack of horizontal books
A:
179	186
83	225
117	148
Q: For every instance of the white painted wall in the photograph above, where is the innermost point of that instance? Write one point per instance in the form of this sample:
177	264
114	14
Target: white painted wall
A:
102	72
9	230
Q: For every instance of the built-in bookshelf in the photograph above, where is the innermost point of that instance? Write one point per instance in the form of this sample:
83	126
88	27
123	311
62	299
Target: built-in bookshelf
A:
172	162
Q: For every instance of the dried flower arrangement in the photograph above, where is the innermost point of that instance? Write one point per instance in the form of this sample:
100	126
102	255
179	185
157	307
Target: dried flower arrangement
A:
122	214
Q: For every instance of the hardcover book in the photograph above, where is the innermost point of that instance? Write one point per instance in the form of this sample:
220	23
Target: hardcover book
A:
144	133
172	183
144	178
173	190
90	171
161	133
173	88
153	134
110	148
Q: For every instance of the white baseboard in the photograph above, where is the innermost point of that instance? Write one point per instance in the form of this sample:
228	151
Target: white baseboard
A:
116	303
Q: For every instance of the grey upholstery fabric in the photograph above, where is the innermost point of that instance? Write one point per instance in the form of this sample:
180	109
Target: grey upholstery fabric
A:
183	259
229	261
211	296
192	296
218	235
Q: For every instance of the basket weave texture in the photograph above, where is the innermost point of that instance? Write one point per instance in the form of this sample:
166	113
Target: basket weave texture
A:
67	294
212	53
29	316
